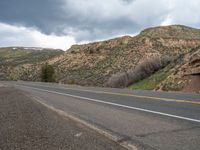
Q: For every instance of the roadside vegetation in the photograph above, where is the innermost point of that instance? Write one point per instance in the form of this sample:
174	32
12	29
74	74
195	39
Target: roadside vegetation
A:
151	82
47	73
140	72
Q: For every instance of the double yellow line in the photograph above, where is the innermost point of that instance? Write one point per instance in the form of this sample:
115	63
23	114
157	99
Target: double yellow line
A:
128	95
154	98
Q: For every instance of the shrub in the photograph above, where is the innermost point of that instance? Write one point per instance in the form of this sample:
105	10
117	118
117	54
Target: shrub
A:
141	71
47	73
91	51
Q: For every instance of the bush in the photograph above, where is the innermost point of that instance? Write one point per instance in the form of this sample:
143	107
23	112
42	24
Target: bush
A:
141	71
47	73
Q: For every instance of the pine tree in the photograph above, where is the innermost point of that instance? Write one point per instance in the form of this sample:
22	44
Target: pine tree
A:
47	73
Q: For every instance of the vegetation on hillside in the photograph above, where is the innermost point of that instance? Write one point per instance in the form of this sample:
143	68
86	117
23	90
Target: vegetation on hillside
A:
14	56
151	82
47	73
94	63
19	63
172	31
135	74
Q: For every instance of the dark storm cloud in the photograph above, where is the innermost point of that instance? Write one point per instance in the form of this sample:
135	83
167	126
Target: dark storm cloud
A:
43	14
89	20
83	19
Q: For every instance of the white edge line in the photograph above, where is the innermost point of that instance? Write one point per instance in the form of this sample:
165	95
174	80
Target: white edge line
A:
114	104
127	144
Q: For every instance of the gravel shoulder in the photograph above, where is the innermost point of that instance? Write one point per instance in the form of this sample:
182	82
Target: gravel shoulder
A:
26	124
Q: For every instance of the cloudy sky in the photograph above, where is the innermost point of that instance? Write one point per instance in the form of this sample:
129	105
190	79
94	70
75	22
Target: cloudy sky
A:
61	23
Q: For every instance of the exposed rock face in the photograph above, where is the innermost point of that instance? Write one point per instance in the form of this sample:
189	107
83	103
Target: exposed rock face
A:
186	74
191	63
194	63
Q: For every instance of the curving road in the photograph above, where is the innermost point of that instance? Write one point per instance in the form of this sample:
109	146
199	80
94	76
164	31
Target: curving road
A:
146	119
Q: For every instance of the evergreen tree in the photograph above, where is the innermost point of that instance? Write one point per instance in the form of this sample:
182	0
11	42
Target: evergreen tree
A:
47	73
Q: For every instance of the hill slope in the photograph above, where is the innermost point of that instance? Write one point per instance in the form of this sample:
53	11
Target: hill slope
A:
93	64
20	62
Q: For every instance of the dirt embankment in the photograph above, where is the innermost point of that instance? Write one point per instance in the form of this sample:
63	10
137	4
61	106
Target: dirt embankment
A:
25	124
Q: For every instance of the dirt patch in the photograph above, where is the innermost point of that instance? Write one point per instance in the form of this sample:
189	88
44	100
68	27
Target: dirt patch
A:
193	84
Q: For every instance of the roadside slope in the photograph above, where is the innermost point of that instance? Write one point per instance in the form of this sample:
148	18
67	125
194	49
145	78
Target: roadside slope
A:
185	75
93	64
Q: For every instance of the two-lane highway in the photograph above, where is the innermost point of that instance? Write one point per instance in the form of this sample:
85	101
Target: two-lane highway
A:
151	120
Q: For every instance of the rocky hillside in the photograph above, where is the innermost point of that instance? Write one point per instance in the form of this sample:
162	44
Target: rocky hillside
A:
185	75
23	63
93	64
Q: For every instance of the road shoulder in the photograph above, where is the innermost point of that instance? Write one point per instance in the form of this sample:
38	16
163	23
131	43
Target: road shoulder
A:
26	124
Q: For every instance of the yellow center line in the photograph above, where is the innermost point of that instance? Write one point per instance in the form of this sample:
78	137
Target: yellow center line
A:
131	95
154	98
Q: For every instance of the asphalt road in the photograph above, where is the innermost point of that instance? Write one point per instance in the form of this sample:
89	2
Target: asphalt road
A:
25	124
148	120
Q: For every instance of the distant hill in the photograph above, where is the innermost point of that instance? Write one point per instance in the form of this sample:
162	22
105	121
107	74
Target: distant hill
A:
94	63
15	61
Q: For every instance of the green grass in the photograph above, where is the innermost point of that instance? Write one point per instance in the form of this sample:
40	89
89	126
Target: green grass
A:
151	82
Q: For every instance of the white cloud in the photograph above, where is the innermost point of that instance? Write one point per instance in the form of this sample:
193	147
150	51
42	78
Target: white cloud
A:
90	20
167	21
186	12
139	11
30	37
103	19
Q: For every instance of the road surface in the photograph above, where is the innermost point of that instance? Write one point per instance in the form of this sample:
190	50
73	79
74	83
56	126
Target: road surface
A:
25	124
146	119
